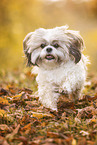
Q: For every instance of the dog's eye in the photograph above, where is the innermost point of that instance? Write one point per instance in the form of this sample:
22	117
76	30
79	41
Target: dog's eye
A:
56	45
42	45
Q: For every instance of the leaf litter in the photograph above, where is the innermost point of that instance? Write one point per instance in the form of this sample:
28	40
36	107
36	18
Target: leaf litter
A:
24	121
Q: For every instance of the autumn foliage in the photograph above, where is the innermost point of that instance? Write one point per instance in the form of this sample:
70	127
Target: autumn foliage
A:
24	121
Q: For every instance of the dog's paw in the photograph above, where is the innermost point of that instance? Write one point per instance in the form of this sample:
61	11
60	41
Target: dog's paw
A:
63	91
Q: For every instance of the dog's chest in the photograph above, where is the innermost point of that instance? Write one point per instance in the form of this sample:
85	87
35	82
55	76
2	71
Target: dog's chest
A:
57	76
69	75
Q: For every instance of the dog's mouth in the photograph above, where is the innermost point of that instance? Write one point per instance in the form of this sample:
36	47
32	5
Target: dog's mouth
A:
49	57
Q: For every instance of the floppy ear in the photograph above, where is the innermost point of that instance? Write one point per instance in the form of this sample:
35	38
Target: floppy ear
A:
76	44
26	48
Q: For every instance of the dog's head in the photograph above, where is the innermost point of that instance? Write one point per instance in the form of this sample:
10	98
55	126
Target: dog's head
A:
52	47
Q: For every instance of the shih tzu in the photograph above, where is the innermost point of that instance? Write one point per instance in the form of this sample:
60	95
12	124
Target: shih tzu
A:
56	55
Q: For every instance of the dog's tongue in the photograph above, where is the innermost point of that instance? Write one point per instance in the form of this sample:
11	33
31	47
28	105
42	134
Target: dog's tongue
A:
49	57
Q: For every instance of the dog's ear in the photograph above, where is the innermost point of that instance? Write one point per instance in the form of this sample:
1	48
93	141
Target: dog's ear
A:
26	48
76	44
26	39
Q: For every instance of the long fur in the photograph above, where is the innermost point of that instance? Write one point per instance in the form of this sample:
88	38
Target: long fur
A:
59	63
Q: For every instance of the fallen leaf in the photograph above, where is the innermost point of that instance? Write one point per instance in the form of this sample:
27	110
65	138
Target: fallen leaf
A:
18	97
5	143
91	142
3	102
91	121
59	141
89	98
3	113
74	142
21	143
23	139
84	133
41	115
86	112
77	120
53	134
1	139
29	91
27	127
4	127
57	135
32	103
5	116
82	141
34	143
69	139
11	135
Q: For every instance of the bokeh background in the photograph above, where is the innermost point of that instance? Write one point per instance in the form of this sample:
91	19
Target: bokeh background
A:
19	17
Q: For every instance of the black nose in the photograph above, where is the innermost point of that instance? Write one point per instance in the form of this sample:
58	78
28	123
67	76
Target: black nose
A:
49	49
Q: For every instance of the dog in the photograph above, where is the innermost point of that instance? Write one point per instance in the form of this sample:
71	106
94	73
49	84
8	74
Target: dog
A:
56	55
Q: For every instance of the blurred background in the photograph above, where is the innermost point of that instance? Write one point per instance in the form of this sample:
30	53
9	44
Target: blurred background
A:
17	18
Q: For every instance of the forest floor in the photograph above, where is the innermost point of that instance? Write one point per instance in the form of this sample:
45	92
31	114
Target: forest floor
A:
24	121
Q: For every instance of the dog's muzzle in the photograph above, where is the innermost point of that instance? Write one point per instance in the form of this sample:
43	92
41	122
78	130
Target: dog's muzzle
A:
49	56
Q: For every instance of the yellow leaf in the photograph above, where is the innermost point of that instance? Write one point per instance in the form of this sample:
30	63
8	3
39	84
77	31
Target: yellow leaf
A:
28	126
2	113
93	121
18	97
73	142
40	115
3	101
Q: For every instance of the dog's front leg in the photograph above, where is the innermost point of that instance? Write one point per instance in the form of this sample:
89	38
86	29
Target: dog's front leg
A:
47	95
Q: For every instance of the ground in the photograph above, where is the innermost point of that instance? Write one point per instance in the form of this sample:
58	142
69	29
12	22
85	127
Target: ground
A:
24	121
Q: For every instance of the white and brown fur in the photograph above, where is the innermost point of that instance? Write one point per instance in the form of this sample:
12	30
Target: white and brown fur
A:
58	62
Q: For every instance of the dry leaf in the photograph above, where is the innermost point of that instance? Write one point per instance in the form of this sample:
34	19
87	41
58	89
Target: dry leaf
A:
41	115
91	142
11	136
23	139
74	142
3	113
53	134
21	143
1	139
27	127
3	102
4	127
29	91
84	133
77	120
82	141
5	143
18	97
